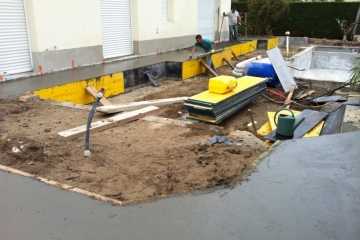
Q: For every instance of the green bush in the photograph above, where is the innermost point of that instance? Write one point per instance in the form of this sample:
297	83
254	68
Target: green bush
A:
309	19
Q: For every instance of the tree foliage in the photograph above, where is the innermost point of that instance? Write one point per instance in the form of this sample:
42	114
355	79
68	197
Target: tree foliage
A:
355	73
262	13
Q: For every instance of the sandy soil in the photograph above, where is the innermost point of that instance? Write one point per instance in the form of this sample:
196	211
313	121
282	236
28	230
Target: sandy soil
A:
139	161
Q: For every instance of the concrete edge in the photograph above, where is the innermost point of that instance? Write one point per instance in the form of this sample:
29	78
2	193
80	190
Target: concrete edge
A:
352	113
248	171
61	186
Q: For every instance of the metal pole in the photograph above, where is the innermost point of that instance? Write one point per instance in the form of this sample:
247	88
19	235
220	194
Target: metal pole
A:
252	121
245	26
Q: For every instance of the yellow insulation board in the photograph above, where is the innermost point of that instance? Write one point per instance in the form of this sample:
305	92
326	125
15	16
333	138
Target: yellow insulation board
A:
273	42
75	92
243	84
315	131
194	67
202	119
218	58
269	126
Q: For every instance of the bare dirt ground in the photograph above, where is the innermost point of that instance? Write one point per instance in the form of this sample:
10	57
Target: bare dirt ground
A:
139	161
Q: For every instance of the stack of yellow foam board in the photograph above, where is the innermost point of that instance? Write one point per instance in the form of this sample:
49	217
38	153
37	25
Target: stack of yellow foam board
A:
213	107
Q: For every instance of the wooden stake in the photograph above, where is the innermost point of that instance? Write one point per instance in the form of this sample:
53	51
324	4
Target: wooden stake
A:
288	99
233	53
229	63
209	68
252	121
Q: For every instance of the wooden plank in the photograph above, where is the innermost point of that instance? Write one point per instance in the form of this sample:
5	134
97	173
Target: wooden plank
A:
73	105
299	94
234	54
307	94
93	92
108	123
288	99
312	118
4	136
28	97
137	105
229	63
333	122
209	68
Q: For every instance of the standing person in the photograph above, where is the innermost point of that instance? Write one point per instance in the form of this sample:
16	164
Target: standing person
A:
208	47
234	19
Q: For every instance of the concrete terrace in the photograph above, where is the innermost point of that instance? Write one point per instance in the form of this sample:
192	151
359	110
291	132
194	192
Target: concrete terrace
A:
302	189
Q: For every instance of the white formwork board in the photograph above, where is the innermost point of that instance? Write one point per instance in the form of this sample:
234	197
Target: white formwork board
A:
282	70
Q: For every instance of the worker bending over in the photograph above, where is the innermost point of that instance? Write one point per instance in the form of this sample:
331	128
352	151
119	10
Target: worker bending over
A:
208	47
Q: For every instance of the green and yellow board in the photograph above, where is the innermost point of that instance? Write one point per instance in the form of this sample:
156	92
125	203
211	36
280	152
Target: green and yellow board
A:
214	108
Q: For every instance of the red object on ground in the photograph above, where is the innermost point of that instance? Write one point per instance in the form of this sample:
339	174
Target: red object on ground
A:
277	94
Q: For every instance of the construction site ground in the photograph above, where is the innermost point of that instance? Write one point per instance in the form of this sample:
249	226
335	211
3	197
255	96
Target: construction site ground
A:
139	161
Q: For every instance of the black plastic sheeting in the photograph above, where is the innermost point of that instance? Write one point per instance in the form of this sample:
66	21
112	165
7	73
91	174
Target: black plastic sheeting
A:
138	76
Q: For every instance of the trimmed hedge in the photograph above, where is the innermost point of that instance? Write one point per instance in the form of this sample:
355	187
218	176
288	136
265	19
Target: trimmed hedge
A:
312	19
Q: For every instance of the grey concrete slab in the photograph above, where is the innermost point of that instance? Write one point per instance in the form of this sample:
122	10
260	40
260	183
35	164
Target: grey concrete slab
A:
19	86
26	84
281	69
305	189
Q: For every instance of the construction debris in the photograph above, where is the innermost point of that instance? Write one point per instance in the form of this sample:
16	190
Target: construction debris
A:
108	123
312	118
93	92
28	97
137	105
281	69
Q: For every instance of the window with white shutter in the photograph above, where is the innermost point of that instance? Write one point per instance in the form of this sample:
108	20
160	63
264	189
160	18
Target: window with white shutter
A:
14	42
165	10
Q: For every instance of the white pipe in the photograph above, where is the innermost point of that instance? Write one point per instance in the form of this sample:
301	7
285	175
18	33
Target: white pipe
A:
240	64
287	46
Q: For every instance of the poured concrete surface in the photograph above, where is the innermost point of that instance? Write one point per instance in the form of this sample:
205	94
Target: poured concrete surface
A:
324	63
14	87
305	189
329	75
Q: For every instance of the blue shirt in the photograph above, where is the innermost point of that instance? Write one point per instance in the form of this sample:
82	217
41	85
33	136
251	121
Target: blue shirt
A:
206	45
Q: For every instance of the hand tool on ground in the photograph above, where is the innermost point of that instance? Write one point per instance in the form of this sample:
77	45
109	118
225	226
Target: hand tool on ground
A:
221	27
252	122
288	99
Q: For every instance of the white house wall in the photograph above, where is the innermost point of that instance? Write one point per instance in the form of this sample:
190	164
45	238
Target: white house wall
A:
62	31
151	33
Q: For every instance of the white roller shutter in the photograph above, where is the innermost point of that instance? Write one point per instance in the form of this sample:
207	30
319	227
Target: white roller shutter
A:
206	18
116	28
164	10
14	42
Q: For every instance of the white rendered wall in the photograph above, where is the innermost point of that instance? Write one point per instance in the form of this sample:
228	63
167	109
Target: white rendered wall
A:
147	23
63	24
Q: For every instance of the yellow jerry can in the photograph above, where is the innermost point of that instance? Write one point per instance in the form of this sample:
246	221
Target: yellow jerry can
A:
222	84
